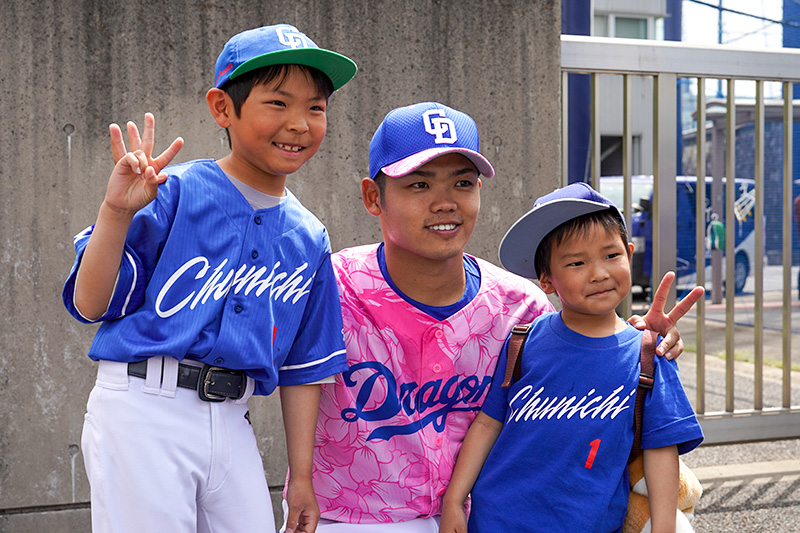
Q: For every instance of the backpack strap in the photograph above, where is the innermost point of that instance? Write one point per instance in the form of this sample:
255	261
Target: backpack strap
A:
514	363
646	379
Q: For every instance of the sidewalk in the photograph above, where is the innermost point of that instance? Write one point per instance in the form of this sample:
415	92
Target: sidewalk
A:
751	487
748	487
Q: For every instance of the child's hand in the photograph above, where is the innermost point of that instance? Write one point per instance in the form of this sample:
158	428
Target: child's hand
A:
137	175
454	519
303	507
666	324
144	143
133	184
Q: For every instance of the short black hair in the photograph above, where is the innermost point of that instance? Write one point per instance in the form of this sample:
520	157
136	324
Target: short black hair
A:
578	226
239	88
380	180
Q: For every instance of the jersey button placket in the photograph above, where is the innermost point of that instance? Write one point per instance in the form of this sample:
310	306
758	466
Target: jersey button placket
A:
438	334
432	353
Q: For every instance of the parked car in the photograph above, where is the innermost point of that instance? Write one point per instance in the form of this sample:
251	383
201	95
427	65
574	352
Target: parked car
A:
641	230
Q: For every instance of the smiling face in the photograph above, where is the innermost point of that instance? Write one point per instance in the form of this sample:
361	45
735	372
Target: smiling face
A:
280	126
428	215
590	271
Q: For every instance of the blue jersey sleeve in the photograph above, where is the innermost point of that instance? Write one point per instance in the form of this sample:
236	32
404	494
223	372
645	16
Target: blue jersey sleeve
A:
318	350
146	234
668	417
496	403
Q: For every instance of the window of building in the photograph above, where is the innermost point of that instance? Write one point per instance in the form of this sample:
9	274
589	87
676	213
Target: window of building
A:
630	28
600	26
611	155
627	27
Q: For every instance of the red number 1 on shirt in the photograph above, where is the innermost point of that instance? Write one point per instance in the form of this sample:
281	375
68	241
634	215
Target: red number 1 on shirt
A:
595	444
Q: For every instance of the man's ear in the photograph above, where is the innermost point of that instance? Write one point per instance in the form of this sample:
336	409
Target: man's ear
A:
371	196
546	284
220	106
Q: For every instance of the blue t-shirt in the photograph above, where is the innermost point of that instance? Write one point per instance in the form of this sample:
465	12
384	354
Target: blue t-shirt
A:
560	461
473	285
206	276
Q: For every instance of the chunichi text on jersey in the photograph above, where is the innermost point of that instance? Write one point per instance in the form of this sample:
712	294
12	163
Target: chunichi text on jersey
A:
526	406
184	286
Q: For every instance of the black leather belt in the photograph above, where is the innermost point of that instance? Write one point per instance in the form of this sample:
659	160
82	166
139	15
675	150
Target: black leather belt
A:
212	383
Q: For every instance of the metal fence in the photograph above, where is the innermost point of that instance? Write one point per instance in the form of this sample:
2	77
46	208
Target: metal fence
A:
666	63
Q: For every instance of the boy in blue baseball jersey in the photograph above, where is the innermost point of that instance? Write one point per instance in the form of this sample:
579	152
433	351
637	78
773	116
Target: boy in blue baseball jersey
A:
550	452
212	283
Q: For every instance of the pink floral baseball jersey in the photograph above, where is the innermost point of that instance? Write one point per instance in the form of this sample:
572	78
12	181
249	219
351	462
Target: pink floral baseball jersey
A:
390	427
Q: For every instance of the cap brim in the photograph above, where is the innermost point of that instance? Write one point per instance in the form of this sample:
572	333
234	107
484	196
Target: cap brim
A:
518	247
413	162
340	69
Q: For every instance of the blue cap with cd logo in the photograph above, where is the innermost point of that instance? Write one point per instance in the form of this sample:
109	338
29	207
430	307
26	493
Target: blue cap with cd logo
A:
411	136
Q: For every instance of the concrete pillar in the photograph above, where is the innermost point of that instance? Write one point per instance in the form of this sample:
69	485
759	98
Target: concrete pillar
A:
70	68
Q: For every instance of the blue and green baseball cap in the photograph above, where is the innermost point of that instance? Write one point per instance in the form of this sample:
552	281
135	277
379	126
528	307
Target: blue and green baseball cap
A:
277	45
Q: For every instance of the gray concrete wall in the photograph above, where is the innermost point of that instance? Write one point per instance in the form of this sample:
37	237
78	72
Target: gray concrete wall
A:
70	68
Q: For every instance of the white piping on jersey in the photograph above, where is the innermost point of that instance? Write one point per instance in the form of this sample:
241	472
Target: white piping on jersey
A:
85	235
75	291
133	283
312	363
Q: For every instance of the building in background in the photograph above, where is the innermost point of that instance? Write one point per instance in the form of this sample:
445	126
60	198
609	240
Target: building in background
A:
662	20
629	19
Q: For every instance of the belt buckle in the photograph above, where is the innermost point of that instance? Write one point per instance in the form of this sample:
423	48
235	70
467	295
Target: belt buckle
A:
205	381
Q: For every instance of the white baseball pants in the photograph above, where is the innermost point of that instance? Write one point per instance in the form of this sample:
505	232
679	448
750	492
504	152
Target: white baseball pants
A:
158	458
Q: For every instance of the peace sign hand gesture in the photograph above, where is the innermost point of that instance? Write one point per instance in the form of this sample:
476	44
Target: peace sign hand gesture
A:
666	324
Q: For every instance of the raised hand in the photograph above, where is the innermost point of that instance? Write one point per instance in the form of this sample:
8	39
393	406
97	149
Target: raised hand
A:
144	143
666	324
133	184
137	175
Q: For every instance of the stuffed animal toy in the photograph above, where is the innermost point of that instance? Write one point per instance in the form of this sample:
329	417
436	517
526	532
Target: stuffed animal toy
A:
638	518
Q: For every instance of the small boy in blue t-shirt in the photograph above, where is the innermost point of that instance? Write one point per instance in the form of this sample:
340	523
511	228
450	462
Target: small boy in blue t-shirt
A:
550	452
212	283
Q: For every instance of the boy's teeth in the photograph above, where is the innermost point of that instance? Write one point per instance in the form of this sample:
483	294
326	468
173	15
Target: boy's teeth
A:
289	148
443	227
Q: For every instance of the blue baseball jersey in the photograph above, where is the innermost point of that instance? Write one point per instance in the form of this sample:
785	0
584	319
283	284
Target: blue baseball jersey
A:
560	461
205	276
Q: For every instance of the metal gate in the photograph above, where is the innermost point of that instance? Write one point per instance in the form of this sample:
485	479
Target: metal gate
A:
665	63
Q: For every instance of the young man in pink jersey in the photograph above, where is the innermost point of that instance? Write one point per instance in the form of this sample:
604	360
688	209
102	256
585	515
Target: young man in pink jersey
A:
423	325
